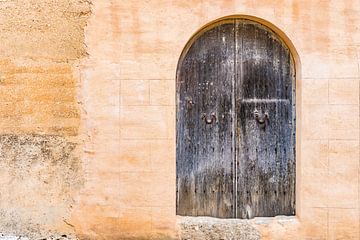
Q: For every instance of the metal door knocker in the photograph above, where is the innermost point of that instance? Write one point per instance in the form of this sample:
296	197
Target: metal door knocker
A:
190	104
209	119
261	118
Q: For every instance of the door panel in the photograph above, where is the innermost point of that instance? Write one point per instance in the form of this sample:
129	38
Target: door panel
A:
265	144
265	174
204	124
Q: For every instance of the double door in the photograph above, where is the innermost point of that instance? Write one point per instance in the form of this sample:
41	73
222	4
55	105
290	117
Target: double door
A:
236	123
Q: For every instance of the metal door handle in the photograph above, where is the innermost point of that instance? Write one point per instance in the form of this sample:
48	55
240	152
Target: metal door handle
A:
261	118
209	119
190	103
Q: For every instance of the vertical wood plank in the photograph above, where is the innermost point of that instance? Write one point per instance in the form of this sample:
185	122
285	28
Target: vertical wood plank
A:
265	152
204	125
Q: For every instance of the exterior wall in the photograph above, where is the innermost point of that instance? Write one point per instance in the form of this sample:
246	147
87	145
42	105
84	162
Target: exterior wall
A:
325	34
40	134
88	118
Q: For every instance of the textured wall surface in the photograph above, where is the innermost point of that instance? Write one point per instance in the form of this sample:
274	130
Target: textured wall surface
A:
41	169
147	38
87	115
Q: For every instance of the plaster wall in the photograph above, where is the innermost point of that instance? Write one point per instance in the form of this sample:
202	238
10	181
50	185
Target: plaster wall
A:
87	116
147	39
40	115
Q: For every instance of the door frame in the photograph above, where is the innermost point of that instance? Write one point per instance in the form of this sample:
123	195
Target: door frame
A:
298	84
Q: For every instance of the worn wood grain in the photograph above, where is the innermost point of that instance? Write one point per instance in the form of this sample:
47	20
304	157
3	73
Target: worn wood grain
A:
265	152
204	126
229	162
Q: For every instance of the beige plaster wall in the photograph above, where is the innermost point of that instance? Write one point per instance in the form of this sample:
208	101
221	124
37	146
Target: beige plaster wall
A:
41	43
88	118
141	42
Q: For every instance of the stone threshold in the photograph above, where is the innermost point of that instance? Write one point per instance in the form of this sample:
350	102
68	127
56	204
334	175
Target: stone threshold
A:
196	228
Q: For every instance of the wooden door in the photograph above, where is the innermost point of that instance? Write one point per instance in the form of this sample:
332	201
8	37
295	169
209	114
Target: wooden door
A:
265	121
204	163
236	124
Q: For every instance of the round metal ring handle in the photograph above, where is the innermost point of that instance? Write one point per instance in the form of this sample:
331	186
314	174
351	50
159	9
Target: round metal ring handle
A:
190	104
261	118
209	119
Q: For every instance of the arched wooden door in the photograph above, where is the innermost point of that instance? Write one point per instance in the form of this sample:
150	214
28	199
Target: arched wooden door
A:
236	123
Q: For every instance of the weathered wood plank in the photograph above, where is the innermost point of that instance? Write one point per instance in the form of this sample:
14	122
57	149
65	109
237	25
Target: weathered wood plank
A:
204	125
265	152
